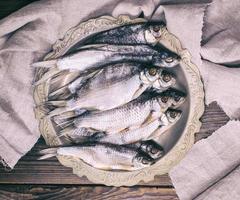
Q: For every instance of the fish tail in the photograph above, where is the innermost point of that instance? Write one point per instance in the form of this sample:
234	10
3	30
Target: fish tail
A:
66	131
64	117
48	153
81	134
62	93
47	76
45	64
61	103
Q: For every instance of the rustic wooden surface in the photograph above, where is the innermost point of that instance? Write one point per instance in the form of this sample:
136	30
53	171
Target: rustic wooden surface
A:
48	179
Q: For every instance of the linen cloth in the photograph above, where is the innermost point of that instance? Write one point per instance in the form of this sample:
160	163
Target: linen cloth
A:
27	35
207	162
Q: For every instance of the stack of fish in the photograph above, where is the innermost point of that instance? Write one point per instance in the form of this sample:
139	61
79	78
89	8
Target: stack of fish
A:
112	96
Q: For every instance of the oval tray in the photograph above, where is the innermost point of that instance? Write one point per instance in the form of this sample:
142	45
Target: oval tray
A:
180	138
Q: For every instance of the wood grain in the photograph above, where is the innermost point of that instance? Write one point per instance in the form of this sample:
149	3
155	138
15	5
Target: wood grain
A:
31	171
21	192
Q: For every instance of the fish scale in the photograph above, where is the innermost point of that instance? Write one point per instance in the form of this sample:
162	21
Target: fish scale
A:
131	114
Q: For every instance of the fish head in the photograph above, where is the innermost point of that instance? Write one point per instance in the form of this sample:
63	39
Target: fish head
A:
171	98
153	32
152	149
156	29
165	57
173	115
142	160
157	78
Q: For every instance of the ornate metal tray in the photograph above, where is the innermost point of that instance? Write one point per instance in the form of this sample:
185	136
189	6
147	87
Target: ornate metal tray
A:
176	142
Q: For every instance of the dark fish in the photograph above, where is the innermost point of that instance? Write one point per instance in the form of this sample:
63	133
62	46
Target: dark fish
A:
144	33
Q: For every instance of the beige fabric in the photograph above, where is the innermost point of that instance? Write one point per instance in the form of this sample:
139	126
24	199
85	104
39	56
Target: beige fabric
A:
226	188
225	80
208	162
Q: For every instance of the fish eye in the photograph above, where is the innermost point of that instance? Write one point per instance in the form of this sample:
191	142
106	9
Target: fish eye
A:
152	71
164	99
154	150
169	59
167	77
173	114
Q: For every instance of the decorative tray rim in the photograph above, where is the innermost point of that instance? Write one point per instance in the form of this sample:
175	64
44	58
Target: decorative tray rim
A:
196	93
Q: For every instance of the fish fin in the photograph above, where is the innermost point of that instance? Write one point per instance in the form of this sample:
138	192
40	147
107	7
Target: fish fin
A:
49	74
46	156
149	118
66	132
62	121
124	130
48	153
77	135
61	93
66	117
45	64
57	111
52	150
61	103
92	46
159	131
77	84
139	91
155	133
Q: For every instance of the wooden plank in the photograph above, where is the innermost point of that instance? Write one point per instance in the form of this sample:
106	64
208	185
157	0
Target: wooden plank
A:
31	171
213	118
20	192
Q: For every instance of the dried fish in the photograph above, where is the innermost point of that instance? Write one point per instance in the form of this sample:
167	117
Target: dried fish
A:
96	56
134	114
149	131
113	86
104	156
143	33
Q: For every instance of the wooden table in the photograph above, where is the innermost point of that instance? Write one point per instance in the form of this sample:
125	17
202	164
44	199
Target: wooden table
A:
48	179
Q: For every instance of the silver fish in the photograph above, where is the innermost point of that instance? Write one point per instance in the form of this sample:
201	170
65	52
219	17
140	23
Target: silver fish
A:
113	86
149	131
143	33
104	156
96	56
134	114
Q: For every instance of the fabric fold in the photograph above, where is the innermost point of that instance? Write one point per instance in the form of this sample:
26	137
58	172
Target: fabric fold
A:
207	162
